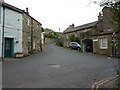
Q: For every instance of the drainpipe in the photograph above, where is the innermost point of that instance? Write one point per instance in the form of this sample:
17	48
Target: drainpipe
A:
3	26
31	36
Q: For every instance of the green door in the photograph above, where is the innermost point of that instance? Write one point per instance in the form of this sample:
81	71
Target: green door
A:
9	51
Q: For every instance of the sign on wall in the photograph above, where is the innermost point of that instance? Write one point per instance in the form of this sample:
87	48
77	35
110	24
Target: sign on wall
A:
95	40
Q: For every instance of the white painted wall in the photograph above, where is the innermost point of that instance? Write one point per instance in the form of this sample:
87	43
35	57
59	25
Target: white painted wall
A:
0	31
42	37
13	28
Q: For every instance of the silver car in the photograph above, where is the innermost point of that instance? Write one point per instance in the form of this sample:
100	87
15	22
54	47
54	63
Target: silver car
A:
74	45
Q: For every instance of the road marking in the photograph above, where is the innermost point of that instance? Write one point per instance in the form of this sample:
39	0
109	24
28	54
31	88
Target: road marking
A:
55	65
96	85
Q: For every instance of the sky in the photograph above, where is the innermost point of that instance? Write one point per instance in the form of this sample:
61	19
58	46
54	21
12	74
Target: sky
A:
55	14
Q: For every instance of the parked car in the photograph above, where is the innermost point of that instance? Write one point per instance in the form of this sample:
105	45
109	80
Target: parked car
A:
74	45
89	48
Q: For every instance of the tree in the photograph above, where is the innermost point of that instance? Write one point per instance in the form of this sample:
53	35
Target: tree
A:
42	29
49	33
73	38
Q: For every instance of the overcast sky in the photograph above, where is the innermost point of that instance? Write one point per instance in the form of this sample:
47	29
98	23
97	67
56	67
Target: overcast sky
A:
55	14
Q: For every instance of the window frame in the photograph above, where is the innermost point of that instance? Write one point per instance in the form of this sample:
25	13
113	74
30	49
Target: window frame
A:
28	21
103	43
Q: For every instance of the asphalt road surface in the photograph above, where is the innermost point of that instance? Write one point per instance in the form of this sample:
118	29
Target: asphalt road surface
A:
57	67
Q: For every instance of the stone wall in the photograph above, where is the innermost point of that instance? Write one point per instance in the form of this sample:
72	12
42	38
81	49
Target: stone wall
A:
37	44
26	38
108	19
96	45
31	35
82	34
85	34
105	25
50	40
102	29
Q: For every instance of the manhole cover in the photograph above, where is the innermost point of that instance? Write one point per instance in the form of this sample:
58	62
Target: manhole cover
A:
55	65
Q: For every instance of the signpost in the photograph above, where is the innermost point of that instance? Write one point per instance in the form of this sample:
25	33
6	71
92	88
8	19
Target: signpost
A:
114	44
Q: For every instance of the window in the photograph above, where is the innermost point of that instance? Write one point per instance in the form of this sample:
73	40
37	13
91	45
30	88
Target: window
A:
28	22
37	25
73	44
103	43
29	39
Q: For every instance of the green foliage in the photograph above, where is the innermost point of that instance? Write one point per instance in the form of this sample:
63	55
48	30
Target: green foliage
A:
52	35
115	8
59	44
106	3
74	39
42	29
117	69
49	33
59	41
118	73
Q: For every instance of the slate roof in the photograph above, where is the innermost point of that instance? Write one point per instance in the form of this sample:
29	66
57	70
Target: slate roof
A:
17	10
12	7
78	28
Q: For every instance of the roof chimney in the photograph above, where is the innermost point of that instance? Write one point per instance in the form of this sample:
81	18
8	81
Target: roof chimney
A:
27	10
100	17
71	26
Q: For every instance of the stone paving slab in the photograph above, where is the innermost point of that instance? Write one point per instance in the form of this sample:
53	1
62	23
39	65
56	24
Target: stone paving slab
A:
8	59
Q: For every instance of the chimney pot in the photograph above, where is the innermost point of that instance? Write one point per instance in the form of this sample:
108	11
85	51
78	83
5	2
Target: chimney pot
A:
27	11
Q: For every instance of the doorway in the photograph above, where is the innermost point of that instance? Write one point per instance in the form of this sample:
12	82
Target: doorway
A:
9	48
87	45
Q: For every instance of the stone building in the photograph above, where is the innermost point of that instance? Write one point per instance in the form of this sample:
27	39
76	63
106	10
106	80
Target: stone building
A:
31	34
100	35
104	38
22	33
11	24
84	32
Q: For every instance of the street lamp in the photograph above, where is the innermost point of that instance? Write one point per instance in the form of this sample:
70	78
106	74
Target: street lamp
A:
59	30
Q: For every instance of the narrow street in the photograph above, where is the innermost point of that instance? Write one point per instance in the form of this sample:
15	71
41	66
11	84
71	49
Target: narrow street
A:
57	67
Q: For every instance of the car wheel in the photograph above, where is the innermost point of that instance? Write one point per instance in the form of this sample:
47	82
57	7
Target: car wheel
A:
78	49
70	48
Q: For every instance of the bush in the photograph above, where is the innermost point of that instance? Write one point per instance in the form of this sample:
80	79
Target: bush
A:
60	44
52	35
74	39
